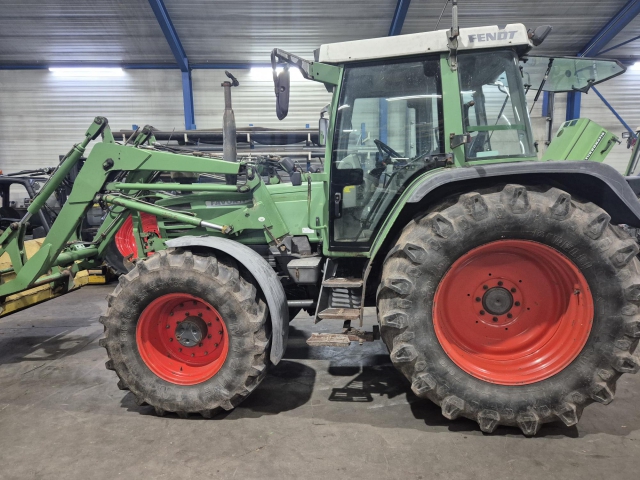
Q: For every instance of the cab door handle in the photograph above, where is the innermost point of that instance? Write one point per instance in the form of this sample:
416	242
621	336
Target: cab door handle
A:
337	202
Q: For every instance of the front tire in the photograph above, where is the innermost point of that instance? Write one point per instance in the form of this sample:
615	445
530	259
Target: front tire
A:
187	333
515	306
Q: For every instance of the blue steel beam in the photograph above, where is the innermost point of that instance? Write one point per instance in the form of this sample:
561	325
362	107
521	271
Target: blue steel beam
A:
619	45
611	29
545	104
402	7
170	33
613	110
597	44
180	55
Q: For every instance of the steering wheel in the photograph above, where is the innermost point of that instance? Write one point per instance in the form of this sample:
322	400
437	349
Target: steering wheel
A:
385	149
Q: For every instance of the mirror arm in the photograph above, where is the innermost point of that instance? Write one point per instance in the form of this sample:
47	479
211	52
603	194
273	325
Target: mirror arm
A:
278	55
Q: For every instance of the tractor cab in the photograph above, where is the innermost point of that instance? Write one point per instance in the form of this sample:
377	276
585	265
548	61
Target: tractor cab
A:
407	105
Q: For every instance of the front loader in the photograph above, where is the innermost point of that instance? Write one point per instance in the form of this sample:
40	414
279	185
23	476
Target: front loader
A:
506	289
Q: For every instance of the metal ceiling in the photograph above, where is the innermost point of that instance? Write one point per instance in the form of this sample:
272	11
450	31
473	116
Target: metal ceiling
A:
74	31
246	31
214	31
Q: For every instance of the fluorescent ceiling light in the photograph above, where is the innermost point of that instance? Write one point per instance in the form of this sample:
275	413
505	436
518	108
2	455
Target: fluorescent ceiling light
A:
344	106
87	73
635	66
266	73
411	97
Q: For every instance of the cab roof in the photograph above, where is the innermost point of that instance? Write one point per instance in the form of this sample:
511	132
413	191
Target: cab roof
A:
512	35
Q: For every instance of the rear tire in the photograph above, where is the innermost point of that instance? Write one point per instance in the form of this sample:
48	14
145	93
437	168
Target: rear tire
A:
416	269
206	281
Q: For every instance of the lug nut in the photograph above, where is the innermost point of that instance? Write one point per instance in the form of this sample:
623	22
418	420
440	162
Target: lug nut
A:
171	339
509	315
209	324
206	353
517	304
495	319
484	287
168	326
171	314
200	344
209	336
477	299
179	349
186	314
193	355
513	290
481	312
200	314
215	344
220	332
500	283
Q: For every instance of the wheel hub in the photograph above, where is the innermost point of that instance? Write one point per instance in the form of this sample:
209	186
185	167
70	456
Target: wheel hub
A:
182	338
191	331
497	301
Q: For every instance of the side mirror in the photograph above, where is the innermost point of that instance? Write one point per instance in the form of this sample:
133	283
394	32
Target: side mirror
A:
282	84
323	131
538	35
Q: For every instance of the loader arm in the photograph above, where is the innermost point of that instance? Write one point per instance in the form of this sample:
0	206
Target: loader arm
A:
63	253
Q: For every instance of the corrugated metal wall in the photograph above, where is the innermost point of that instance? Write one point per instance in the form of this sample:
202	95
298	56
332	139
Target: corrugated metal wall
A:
42	116
254	101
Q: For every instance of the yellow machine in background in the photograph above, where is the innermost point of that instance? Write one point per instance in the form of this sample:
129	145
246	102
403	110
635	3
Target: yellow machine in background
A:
46	291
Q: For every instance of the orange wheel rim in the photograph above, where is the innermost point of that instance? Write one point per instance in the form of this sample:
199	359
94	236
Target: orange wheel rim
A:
182	339
513	312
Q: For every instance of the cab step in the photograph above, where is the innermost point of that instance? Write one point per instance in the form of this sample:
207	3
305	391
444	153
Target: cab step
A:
339	314
344	339
328	340
336	282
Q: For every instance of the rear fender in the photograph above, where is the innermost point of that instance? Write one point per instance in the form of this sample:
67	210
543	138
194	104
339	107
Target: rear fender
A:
592	181
264	275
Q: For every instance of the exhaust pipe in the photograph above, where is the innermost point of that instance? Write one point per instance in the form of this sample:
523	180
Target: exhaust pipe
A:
229	143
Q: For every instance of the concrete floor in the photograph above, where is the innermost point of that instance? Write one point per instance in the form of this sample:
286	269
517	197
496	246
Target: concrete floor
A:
322	413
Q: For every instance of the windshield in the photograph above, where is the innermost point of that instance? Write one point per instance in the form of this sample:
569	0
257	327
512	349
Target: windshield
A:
494	107
389	126
568	74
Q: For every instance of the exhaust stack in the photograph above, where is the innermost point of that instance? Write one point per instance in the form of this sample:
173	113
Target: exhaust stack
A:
229	144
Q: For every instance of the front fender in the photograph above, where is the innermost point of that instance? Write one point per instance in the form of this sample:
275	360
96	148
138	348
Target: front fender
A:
267	280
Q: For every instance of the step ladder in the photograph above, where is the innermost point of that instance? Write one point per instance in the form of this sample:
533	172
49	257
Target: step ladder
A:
341	299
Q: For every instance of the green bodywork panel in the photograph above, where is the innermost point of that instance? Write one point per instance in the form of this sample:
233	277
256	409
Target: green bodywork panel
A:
580	139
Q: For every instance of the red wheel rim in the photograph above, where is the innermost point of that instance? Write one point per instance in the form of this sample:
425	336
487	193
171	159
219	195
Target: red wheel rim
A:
126	242
182	339
525	339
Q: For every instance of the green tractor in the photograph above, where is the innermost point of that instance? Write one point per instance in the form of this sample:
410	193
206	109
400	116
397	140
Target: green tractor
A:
506	286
